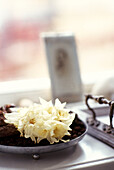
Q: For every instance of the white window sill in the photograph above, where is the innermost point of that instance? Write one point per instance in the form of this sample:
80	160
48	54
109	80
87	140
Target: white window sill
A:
13	91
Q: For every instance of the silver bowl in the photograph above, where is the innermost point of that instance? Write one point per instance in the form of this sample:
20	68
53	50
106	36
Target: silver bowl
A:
36	150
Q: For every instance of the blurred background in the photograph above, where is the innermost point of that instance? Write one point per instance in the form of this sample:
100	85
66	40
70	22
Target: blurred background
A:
22	53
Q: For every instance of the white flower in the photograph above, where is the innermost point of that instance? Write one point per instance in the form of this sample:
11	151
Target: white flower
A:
42	121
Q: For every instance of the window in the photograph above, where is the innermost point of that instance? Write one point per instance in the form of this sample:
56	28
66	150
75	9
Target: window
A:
22	54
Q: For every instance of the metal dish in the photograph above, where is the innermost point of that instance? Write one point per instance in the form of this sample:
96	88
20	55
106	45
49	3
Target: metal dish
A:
36	150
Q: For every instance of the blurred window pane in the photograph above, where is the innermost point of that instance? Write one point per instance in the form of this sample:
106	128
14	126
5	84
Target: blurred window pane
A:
22	54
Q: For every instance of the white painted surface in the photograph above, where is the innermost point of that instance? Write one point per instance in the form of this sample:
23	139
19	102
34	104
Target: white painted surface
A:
88	153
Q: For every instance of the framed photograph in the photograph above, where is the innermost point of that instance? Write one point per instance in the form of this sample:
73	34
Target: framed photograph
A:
63	66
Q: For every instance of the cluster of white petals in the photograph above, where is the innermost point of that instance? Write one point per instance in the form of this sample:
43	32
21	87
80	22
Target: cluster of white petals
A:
42	121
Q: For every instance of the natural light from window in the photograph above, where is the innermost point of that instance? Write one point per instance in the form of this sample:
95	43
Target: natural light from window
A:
22	54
